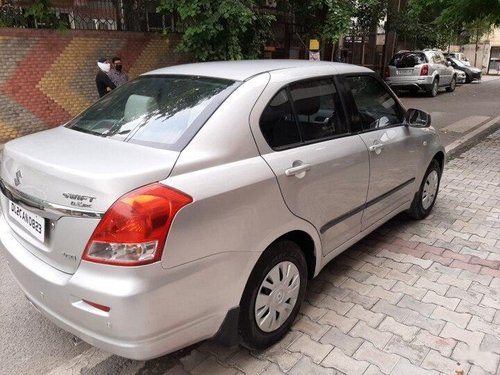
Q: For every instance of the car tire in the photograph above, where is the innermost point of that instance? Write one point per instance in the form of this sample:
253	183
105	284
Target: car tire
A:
468	78
434	88
453	84
269	277
426	196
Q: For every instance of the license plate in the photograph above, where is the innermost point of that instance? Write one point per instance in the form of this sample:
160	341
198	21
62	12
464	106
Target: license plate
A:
33	223
405	72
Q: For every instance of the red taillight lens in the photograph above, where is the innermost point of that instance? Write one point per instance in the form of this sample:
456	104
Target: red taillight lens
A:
424	70
134	229
387	72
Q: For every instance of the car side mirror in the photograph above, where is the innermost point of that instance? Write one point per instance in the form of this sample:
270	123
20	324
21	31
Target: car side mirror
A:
448	63
417	118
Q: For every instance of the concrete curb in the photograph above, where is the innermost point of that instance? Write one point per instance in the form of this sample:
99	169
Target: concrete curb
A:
460	145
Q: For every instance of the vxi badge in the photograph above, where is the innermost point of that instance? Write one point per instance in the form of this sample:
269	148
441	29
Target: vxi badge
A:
17	179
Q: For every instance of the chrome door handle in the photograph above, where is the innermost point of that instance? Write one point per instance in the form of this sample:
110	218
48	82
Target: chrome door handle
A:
376	147
293	171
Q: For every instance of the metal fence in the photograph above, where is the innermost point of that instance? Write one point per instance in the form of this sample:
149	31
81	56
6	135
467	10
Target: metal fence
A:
124	15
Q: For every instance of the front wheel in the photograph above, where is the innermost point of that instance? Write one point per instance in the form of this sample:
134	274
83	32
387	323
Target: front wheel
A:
273	295
426	196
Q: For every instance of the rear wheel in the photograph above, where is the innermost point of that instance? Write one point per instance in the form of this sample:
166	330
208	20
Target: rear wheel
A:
453	84
434	88
426	196
273	295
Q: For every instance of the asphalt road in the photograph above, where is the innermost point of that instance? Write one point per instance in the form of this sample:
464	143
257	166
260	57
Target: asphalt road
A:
30	344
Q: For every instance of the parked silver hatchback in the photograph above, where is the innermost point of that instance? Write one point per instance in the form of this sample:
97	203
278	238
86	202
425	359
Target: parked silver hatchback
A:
197	200
425	70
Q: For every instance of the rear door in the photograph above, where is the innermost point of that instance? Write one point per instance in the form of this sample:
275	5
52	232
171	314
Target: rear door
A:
392	146
321	169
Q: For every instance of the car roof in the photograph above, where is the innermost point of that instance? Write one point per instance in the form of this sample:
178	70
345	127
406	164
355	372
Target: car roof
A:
242	70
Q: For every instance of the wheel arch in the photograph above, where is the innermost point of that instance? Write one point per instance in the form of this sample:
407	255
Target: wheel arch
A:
440	158
306	244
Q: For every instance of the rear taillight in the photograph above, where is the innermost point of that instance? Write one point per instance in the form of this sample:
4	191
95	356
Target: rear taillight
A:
134	229
424	70
387	72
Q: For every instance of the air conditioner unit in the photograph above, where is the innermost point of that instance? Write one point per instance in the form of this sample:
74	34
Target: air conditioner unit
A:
271	3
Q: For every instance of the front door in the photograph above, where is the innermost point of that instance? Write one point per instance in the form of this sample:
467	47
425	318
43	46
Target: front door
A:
392	147
322	171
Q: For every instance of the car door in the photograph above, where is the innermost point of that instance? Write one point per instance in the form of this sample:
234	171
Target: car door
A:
392	146
321	169
445	72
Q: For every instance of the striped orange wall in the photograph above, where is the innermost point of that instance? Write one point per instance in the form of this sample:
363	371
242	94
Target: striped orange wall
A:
47	76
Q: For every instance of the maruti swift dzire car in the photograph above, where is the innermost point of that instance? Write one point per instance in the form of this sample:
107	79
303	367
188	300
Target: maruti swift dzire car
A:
197	200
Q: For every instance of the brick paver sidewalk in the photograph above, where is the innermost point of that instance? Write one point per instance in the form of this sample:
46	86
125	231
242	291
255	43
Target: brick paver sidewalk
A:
412	298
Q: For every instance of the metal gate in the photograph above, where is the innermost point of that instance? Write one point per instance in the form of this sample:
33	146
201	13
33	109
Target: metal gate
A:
494	64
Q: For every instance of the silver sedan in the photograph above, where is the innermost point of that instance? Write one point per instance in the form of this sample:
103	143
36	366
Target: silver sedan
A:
197	200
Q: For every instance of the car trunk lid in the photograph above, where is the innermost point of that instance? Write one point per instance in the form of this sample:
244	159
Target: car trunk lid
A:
58	183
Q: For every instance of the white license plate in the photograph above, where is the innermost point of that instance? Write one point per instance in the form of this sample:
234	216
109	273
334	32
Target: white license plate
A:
405	72
33	223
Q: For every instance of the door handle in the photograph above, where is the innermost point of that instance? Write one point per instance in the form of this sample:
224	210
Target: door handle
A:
297	170
377	148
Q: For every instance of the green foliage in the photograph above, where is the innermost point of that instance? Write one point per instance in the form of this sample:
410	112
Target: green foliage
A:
10	15
41	10
220	29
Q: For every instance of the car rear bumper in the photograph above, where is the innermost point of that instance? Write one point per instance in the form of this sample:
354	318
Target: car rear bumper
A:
422	83
153	311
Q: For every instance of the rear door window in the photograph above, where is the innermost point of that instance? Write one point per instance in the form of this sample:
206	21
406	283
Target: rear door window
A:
305	111
408	59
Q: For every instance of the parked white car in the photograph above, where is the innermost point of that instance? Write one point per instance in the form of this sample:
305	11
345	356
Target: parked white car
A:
197	200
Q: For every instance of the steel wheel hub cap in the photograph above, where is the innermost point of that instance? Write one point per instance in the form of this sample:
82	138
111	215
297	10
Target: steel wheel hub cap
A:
430	189
277	296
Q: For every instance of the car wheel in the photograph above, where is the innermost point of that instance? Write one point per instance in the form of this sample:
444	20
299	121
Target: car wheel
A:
434	88
453	84
426	196
468	78
273	295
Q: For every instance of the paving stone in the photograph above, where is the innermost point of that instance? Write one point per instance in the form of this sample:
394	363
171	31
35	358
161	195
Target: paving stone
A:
366	301
411	303
245	362
469	296
369	317
418	261
438	268
490	292
375	270
378	281
334	291
340	340
485	313
314	299
334	277
490	344
430	249
348	261
391	297
337	306
435	361
390	255
415	292
373	370
404	367
452	281
193	359
384	307
312	312
307	326
476	370
401	267
465	354
283	358
473	339
490	302
443	345
355	275
432	297
344	324
496	319
460	319
419	271
221	352
403	330
432	325
211	366
414	352
384	361
314	350
377	338
482	279
357	287
477	324
338	360
272	369
306	366
431	285
465	266
401	276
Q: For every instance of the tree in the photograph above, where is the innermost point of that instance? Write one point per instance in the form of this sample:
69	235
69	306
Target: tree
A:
220	29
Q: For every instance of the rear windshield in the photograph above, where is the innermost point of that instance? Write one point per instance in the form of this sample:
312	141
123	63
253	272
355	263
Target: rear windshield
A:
408	59
157	111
